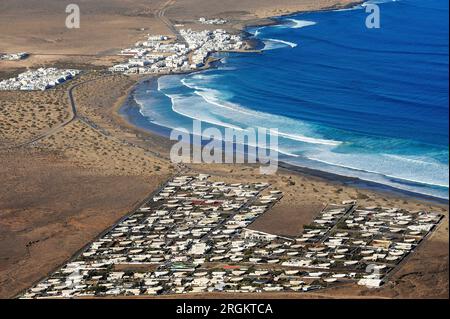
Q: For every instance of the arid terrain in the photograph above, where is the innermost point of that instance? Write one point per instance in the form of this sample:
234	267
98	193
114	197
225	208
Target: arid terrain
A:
68	174
67	187
106	26
64	189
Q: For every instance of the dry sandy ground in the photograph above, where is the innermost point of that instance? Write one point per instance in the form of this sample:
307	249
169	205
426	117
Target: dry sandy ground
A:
242	12
68	187
19	124
50	208
106	26
60	192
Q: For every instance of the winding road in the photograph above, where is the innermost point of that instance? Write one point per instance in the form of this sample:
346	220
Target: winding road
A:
58	127
160	14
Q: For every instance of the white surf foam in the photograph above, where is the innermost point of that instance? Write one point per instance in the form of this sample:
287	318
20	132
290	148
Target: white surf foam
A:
426	173
273	44
364	4
415	160
297	24
178	101
257	31
209	106
420	188
309	140
247	117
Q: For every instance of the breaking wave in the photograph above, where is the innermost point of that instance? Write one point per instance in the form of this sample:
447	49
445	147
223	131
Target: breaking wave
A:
273	44
322	122
297	24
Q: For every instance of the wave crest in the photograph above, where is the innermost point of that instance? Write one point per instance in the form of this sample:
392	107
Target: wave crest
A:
273	44
297	24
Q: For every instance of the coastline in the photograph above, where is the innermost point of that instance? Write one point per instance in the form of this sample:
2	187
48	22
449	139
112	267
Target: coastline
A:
128	110
129	114
272	19
70	187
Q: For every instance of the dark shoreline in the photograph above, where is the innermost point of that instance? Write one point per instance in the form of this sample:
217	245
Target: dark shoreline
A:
362	184
129	111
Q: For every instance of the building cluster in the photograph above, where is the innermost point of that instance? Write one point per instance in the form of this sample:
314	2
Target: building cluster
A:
217	21
370	242
40	79
161	55
14	56
193	237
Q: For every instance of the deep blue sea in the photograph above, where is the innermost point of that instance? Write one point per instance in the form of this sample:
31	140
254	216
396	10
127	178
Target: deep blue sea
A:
367	103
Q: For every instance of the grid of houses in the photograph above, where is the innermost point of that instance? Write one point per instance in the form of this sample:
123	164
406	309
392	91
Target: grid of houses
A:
161	55
193	237
40	79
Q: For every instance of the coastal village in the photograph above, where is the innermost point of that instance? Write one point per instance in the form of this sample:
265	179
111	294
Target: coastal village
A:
162	55
158	54
194	236
78	220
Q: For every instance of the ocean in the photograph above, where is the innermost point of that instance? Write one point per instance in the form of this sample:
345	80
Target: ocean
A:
358	102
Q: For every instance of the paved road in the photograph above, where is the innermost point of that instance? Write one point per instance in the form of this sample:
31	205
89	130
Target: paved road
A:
58	127
160	14
74	115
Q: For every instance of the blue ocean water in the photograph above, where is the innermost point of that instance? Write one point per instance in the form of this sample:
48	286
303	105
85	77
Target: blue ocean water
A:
367	103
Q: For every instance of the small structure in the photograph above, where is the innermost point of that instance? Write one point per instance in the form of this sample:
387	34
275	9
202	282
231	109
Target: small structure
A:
14	56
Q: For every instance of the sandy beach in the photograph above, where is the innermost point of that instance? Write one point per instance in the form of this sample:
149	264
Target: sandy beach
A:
68	177
66	217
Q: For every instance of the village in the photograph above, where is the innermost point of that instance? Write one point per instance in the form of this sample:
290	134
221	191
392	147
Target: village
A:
158	55
40	79
193	236
162	55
